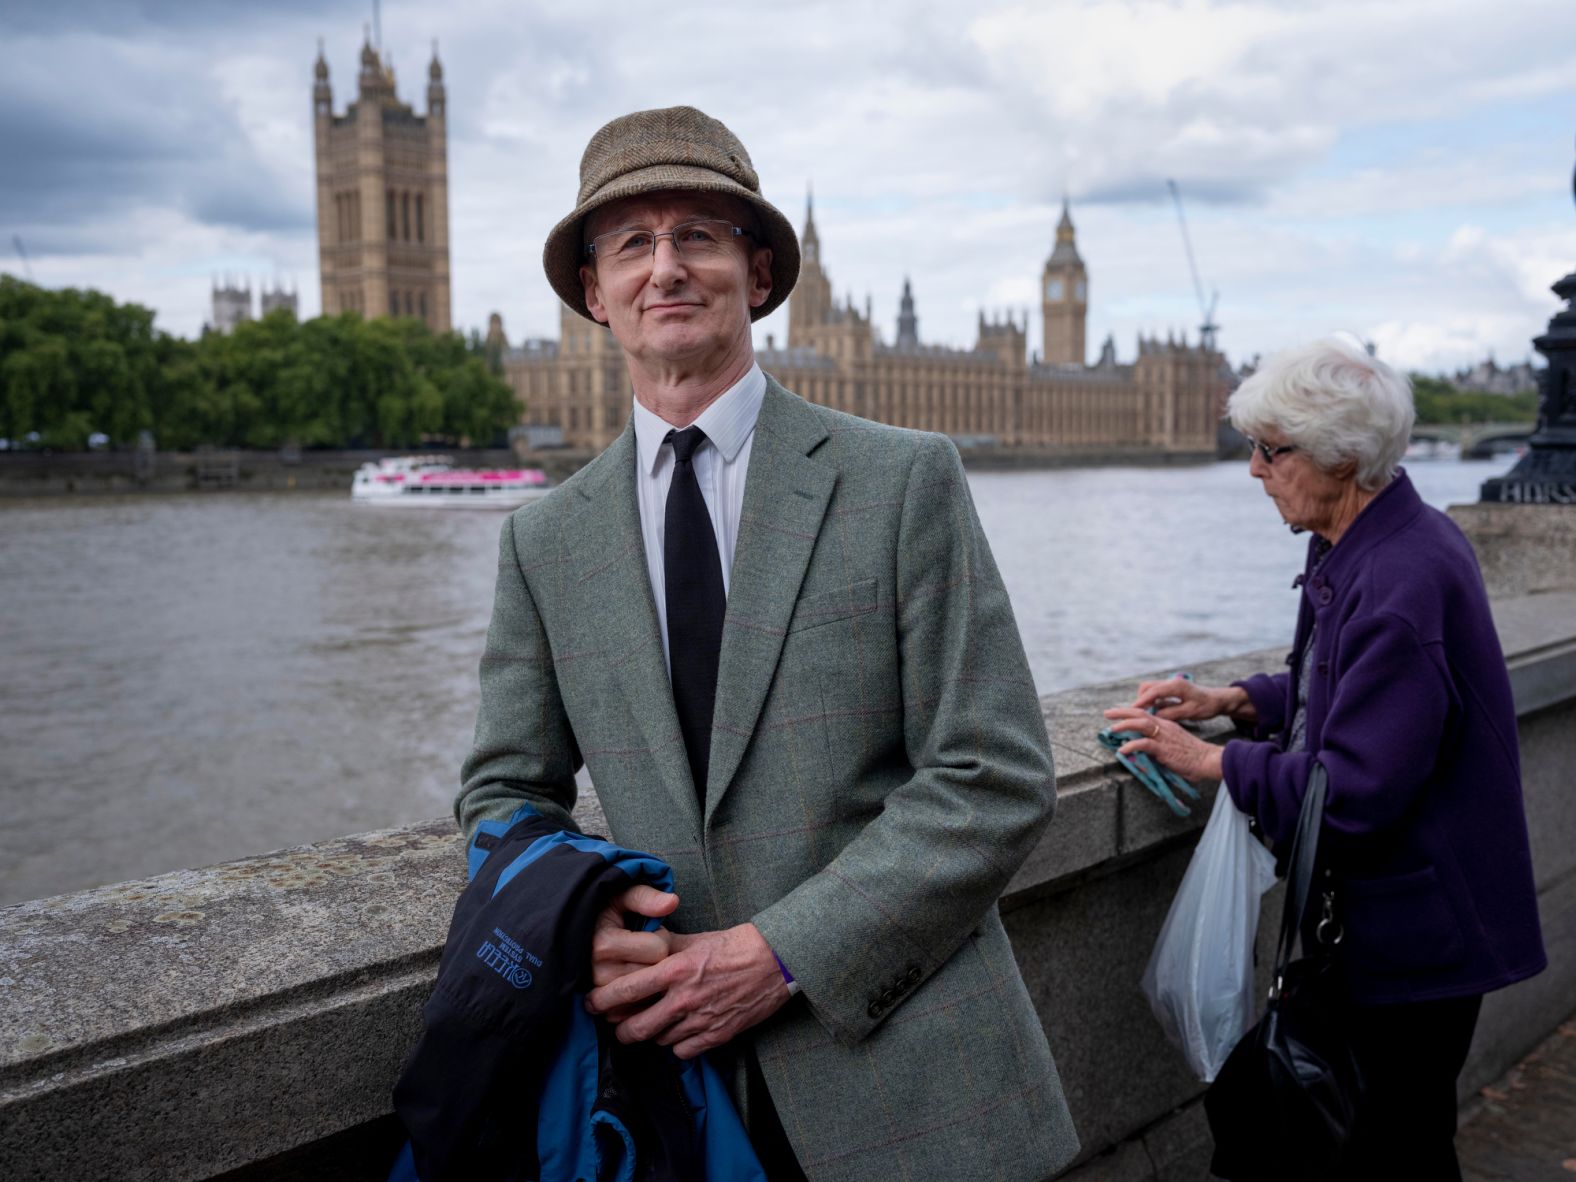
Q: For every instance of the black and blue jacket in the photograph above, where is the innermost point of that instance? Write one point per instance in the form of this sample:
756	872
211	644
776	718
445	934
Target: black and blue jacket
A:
512	1080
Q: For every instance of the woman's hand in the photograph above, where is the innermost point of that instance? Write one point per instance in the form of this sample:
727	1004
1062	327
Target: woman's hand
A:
1166	742
1180	700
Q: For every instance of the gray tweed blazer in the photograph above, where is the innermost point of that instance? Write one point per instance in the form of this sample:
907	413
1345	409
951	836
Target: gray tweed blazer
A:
879	769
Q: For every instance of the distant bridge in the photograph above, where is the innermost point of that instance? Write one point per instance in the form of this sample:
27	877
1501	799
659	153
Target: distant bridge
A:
1478	440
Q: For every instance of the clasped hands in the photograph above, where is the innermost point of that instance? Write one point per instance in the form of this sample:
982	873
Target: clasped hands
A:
689	992
1162	737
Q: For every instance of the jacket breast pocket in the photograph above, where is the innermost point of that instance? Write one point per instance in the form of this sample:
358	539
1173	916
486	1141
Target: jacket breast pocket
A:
1401	924
827	607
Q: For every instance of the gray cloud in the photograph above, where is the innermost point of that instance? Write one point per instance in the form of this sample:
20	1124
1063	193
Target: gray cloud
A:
123	17
162	140
91	128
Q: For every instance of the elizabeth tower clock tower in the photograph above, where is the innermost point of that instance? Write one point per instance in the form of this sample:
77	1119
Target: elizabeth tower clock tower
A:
1064	296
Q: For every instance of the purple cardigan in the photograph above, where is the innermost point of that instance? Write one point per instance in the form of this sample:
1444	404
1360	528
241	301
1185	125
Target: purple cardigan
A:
1410	712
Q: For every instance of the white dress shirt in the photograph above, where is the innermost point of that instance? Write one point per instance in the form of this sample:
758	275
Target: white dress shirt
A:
721	464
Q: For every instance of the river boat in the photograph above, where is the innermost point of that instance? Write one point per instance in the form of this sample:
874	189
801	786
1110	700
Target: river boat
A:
433	482
1432	449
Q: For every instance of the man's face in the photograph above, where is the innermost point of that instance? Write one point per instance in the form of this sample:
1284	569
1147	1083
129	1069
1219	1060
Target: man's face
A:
671	307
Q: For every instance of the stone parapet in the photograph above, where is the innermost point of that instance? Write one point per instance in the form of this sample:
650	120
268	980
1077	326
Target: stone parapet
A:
248	1020
1522	549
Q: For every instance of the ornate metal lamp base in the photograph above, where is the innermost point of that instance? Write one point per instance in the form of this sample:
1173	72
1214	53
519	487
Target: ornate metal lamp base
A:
1546	475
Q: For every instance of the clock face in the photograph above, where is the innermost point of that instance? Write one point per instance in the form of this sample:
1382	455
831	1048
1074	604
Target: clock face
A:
1053	289
1083	290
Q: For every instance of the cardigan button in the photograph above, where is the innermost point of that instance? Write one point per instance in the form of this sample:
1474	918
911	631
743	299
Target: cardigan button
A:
876	1009
1325	595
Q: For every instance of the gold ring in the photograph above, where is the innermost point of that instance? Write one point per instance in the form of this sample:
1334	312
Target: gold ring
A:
1155	734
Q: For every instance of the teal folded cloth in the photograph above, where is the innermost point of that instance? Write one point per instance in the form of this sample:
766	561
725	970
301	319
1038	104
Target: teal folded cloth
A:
1159	780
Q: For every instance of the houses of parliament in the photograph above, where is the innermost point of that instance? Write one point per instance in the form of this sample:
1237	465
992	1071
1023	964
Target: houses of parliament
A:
383	249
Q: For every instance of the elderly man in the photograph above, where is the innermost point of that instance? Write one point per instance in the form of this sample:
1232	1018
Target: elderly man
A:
775	636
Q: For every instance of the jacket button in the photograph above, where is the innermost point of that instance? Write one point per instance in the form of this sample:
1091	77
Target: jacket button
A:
1325	595
913	975
875	1010
887	997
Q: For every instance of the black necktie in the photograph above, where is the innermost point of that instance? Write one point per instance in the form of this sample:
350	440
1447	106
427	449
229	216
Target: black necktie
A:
696	602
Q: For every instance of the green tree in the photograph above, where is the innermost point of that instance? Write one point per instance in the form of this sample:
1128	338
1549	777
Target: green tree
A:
75	362
1439	402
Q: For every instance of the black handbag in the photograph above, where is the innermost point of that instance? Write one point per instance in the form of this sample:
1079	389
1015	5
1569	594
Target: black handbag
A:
1286	1100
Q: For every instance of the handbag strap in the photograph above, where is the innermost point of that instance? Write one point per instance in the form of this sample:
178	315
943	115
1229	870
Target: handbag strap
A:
1299	872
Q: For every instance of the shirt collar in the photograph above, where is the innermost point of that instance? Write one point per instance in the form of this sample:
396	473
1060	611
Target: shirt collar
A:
727	422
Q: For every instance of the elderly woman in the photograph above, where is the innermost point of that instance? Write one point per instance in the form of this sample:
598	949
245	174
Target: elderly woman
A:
1397	686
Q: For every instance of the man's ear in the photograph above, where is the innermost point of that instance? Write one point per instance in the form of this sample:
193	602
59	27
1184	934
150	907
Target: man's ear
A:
760	276
593	292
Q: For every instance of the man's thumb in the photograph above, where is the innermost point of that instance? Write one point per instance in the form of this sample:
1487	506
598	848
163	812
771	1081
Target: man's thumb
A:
648	901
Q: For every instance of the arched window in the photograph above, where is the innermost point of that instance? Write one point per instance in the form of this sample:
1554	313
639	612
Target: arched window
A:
423	300
404	201
421	225
389	204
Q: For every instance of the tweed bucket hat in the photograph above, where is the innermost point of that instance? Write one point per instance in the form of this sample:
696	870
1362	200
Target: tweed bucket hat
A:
673	148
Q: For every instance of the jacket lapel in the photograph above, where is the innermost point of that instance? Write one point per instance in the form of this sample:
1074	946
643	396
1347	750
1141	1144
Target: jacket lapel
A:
785	499
610	565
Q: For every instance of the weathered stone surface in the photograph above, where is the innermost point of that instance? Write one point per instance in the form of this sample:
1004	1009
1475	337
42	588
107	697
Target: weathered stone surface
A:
209	1018
1083	835
1522	1127
1180	1146
1515	1019
1522	549
1540	647
1126	1162
1548	780
1082	953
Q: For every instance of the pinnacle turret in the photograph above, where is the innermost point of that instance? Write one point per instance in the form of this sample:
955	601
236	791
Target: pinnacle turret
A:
907	322
810	241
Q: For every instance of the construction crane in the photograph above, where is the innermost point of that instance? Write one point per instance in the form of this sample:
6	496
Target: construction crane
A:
21	251
1209	328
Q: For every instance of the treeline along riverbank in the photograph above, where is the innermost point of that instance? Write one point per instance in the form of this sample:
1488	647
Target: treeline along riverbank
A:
78	369
36	474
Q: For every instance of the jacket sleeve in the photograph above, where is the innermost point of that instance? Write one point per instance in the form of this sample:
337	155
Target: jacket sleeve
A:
1390	706
525	750
1267	692
899	899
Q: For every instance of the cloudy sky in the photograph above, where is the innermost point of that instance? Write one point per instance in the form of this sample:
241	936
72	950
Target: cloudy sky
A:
1397	168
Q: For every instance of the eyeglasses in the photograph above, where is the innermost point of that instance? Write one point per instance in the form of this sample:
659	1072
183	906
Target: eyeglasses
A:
1269	453
698	241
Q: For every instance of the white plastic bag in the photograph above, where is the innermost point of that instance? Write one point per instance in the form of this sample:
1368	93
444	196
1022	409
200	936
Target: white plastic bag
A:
1200	976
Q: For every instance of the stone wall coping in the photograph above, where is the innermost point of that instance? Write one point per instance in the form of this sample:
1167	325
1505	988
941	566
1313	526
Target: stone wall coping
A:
135	992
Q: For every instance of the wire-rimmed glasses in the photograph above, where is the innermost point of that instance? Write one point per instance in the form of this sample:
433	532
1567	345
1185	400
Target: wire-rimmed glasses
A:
697	241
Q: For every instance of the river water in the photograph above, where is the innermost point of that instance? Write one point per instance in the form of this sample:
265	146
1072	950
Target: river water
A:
190	679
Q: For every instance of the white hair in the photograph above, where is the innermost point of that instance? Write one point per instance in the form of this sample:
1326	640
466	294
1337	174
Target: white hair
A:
1334	400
